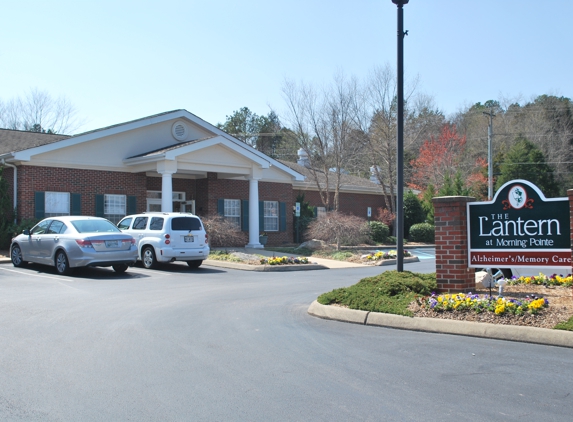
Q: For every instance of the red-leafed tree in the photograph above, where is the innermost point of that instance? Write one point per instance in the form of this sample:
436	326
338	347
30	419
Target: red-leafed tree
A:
478	180
438	159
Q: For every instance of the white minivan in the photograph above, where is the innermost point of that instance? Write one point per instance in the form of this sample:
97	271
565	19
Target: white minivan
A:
163	237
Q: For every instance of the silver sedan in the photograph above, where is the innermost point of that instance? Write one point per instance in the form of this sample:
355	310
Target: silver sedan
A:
68	242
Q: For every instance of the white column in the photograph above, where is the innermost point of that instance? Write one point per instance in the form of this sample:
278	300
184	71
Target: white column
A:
166	192
166	169
254	214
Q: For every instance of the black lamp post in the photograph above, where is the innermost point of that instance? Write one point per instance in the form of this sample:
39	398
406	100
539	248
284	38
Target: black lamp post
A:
400	140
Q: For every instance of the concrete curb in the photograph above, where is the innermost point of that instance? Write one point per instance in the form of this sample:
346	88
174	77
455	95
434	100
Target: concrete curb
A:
263	268
445	326
393	261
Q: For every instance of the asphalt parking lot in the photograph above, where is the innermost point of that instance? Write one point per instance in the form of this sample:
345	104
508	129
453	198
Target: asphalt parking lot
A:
219	344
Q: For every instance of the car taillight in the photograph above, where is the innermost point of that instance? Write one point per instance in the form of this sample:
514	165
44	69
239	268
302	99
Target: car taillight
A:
132	241
84	243
167	241
206	238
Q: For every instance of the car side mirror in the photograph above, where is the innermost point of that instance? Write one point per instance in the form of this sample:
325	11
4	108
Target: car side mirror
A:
26	232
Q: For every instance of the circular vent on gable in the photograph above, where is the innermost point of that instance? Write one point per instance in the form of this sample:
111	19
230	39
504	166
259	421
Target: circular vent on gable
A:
179	131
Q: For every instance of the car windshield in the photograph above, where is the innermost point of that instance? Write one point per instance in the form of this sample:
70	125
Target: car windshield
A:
185	223
94	226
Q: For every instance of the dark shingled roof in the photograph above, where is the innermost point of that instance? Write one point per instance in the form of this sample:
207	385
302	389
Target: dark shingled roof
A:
345	179
19	140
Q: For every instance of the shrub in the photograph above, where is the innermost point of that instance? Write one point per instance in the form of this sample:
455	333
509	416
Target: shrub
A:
223	232
379	232
386	217
338	228
423	232
389	292
413	211
8	230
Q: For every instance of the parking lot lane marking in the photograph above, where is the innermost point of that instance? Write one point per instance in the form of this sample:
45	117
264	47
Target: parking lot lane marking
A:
37	275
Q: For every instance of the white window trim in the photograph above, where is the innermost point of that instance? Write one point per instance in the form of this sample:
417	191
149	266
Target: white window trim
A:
268	218
228	208
117	213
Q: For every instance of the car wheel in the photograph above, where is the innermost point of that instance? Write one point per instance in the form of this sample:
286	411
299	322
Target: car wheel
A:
62	263
120	268
148	257
195	264
16	256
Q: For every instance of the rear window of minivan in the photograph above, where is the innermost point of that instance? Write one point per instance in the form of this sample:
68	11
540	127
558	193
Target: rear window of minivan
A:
185	223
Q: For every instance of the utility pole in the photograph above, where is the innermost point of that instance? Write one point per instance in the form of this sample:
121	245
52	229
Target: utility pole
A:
400	140
489	154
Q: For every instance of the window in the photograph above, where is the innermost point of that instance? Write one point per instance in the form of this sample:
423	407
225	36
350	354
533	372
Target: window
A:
41	227
156	223
125	223
56	227
271	215
185	223
320	212
56	203
114	207
140	223
232	211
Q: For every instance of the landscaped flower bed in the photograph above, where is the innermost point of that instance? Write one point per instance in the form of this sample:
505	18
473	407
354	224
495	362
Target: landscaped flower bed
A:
385	255
540	301
284	260
474	303
543	280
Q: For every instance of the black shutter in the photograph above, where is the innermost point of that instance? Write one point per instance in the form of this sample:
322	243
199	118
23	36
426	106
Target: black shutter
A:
261	216
221	207
99	210
282	216
76	206
245	215
40	206
131	205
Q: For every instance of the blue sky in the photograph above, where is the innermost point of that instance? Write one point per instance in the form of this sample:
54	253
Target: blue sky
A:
119	60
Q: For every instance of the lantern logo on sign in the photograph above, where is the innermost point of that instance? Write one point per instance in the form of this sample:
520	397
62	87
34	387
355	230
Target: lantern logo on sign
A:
517	199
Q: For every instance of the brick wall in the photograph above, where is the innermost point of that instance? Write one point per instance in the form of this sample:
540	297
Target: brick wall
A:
211	189
450	217
188	186
349	203
88	183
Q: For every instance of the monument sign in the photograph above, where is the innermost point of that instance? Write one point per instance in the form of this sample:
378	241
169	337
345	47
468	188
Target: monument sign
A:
519	228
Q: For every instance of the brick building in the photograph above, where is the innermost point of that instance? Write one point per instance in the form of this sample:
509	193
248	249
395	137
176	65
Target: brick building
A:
172	161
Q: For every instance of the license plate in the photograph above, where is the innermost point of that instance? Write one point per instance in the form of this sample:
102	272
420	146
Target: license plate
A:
189	238
112	243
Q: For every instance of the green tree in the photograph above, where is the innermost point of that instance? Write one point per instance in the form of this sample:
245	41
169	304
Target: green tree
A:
306	216
454	187
427	203
265	133
413	211
6	213
524	160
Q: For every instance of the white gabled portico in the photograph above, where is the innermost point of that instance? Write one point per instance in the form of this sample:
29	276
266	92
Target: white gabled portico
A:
219	153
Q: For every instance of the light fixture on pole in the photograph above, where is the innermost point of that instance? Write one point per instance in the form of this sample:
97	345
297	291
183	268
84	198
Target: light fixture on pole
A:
400	140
